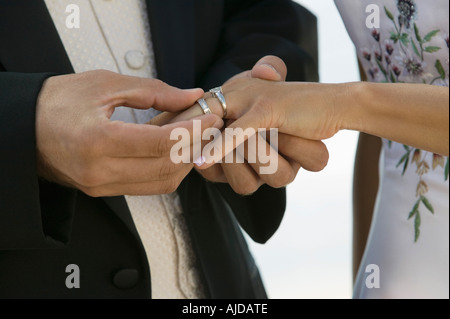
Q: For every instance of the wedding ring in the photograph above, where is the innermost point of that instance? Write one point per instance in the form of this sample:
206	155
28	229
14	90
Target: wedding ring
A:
204	106
218	93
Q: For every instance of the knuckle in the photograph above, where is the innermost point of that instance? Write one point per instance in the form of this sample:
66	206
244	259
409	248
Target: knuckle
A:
107	135
284	178
103	73
90	142
245	188
162	146
167	169
211	175
89	177
276	183
158	84
93	192
279	182
263	108
101	77
322	159
96	144
170	186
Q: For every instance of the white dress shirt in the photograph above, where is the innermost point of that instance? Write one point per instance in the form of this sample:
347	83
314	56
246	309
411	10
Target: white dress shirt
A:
115	35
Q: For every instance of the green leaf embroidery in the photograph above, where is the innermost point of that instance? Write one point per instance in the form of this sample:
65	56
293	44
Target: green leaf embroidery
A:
406	147
393	80
440	69
432	49
405	167
427	204
402	160
414	210
382	70
417	222
430	35
394	37
416	31
446	170
381	67
388	13
416	51
390	144
404	39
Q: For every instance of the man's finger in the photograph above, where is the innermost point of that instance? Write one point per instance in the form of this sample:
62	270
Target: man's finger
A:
270	68
311	155
272	168
144	93
139	170
241	177
148	188
164	118
214	174
140	140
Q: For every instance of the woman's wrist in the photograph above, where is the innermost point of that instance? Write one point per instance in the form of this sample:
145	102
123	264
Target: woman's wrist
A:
351	101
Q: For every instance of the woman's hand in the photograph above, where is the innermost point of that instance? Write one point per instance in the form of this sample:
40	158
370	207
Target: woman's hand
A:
306	110
294	152
410	114
302	113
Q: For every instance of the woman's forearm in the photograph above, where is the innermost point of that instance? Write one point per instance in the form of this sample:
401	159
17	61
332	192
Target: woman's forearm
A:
412	114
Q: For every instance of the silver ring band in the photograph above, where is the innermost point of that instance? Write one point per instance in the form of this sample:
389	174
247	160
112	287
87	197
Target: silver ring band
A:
204	106
218	93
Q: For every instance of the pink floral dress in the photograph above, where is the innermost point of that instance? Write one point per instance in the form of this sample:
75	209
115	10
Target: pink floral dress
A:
409	236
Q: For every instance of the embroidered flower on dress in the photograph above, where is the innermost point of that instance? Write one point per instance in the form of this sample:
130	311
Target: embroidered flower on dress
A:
388	59
378	56
389	47
422	189
373	72
423	168
366	55
397	70
416	157
408	12
413	66
407	54
438	160
376	35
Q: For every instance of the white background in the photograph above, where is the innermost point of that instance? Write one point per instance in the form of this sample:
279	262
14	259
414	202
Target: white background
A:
310	255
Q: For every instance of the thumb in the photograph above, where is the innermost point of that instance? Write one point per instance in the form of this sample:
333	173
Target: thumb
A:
270	68
146	93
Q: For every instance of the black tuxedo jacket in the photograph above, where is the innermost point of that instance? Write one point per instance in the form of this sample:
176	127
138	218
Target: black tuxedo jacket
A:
45	227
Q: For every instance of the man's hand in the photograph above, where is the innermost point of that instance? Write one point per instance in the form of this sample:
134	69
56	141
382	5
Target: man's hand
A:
294	152
79	146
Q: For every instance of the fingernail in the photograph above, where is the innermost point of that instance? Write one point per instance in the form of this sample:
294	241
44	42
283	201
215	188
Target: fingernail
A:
196	90
270	67
219	123
200	161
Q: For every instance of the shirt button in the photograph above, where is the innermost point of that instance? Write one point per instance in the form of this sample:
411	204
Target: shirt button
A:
126	278
135	59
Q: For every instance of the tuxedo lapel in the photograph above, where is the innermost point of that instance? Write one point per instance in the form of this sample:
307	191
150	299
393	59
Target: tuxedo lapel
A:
29	41
172	27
